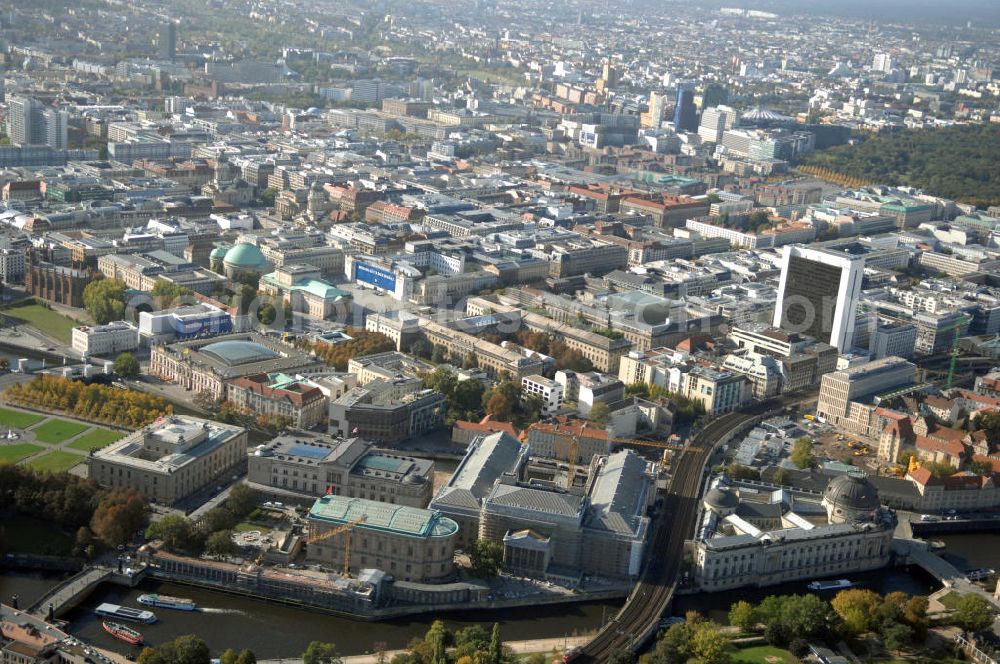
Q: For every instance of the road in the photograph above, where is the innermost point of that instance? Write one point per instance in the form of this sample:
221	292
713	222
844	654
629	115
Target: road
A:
652	594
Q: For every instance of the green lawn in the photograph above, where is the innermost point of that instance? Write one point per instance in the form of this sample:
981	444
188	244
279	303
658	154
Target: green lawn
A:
56	430
764	655
24	534
56	461
46	320
18	419
96	437
248	526
950	600
18	451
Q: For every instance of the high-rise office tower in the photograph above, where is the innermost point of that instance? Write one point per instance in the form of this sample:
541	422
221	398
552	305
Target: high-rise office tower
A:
56	124
685	113
24	121
882	62
715	121
610	75
657	103
818	294
168	41
30	123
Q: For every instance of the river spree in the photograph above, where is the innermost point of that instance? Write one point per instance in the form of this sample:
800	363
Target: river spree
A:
273	630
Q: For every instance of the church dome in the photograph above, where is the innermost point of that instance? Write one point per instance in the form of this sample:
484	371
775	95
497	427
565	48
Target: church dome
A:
849	495
245	256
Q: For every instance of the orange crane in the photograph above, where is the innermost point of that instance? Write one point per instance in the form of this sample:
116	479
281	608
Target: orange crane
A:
347	529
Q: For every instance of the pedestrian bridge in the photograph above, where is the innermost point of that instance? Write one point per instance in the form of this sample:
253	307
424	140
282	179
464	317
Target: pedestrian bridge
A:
917	553
75	589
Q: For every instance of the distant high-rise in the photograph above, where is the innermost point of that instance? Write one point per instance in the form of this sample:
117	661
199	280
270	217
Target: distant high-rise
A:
883	62
56	124
818	294
23	121
685	113
715	121
30	123
168	41
654	116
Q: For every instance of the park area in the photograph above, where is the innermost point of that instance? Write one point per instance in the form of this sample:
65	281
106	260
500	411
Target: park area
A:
18	419
16	452
94	439
56	430
43	319
56	461
763	655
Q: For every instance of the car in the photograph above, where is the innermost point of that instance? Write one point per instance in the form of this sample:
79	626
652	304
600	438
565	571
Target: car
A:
928	517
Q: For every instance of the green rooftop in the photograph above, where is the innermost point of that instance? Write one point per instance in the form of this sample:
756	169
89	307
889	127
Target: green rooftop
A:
386	517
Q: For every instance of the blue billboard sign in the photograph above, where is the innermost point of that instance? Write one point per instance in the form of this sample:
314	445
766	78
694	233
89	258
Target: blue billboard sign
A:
376	276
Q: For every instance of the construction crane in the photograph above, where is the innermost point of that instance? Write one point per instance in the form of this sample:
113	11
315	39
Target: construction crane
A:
346	529
659	444
574	449
954	350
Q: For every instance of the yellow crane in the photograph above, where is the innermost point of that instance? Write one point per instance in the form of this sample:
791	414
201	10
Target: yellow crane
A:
574	450
659	444
346	529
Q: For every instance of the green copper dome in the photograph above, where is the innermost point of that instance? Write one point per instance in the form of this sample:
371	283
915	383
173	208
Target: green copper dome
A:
218	252
246	256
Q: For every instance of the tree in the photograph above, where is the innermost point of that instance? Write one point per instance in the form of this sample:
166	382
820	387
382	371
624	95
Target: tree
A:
802	455
896	635
321	653
242	500
467	395
119	514
499	407
166	292
743	615
781	476
228	657
104	300
217	518
673	646
438	638
487	558
856	607
246	657
189	649
127	366
989	422
599	414
177	533
973	613
496	646
220	543
710	645
740	472
267	313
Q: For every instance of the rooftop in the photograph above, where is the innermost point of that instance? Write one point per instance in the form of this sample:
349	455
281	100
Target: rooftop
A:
397	519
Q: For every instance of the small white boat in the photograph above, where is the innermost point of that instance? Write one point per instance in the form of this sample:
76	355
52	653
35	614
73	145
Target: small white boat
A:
167	602
839	584
125	613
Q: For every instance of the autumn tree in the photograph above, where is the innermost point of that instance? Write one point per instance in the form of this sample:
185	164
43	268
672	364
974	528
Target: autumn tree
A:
119	514
498	407
856	607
